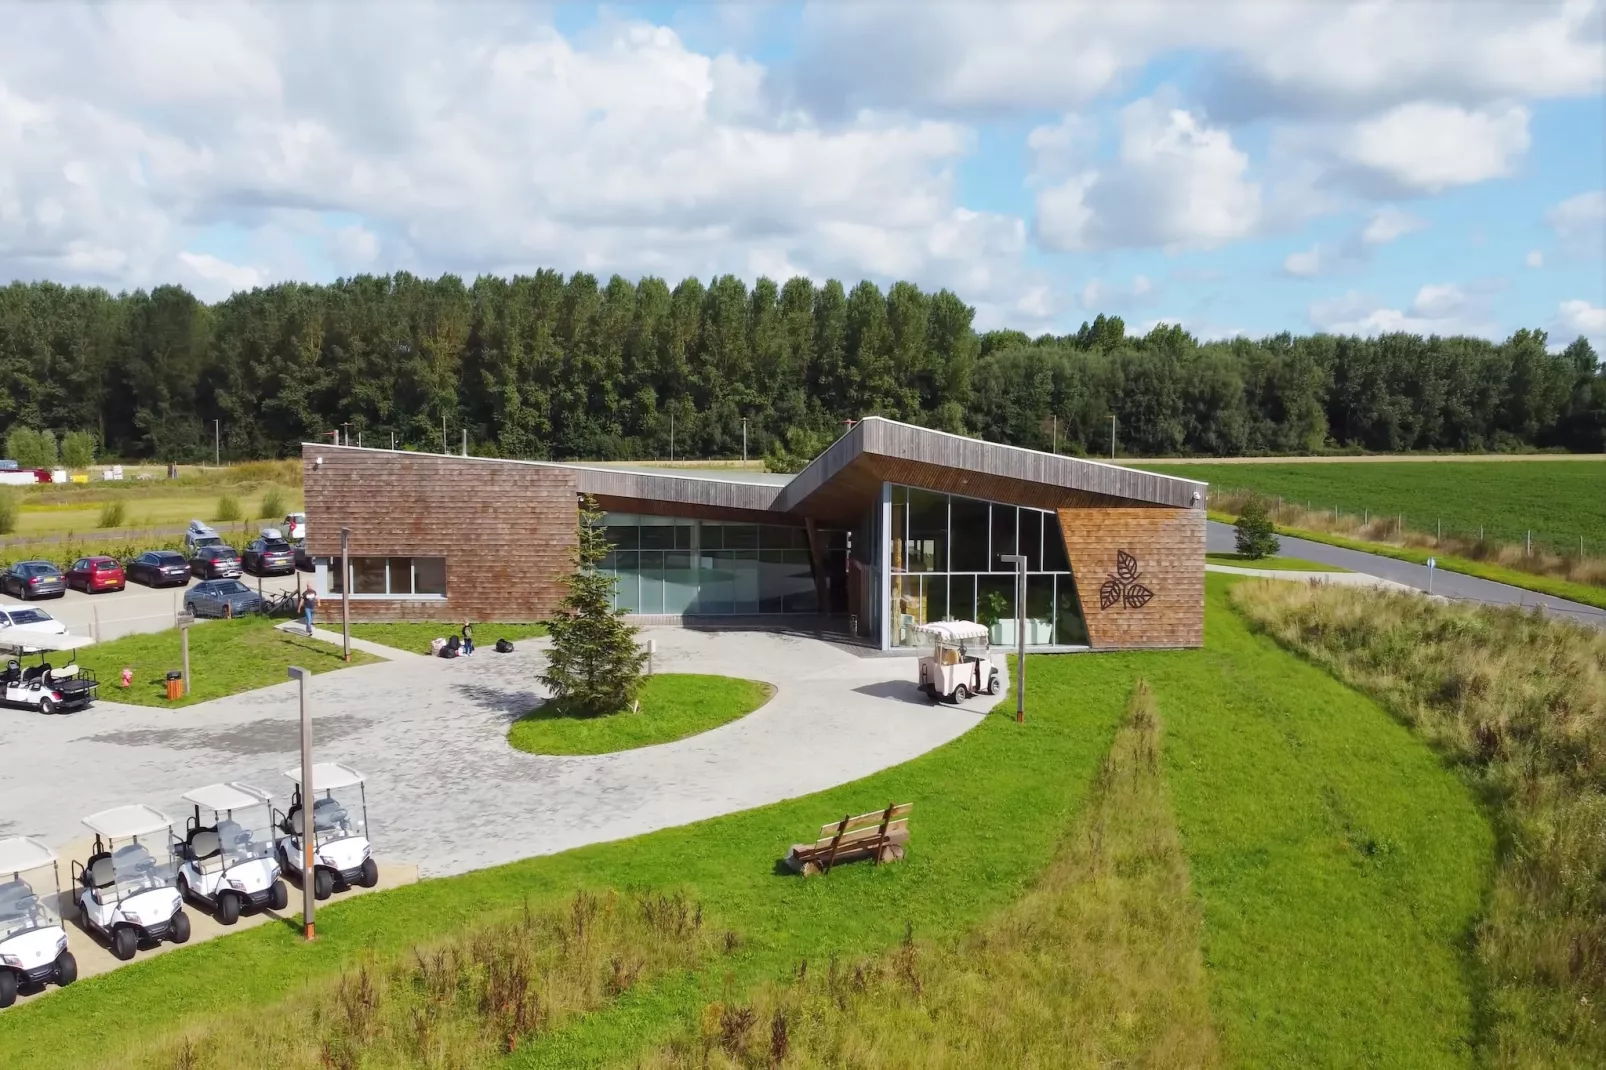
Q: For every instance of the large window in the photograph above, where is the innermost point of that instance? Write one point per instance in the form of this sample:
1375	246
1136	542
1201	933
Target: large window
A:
391	577
712	568
945	553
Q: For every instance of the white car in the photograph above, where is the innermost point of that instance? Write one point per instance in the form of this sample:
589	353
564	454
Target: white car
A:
341	854
200	534
33	945
29	617
128	890
230	863
295	526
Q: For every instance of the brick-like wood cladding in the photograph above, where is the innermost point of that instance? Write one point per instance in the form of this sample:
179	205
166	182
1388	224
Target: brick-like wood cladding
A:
1169	545
507	531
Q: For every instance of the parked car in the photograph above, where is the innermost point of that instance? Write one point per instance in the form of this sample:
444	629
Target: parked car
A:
159	568
215	562
295	526
269	556
199	536
91	574
33	579
221	598
29	617
303	559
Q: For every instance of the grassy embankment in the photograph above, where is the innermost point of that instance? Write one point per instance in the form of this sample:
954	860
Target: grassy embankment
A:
671	706
1327	846
1272	564
226	658
415	636
1518	703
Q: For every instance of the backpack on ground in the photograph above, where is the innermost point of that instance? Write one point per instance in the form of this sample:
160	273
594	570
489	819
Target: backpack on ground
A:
504	647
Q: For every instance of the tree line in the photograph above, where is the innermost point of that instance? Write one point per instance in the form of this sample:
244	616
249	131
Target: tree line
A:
544	366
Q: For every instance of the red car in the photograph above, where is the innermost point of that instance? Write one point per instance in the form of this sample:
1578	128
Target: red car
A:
91	574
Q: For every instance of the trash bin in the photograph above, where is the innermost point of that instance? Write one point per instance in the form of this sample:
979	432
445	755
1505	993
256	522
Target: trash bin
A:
175	685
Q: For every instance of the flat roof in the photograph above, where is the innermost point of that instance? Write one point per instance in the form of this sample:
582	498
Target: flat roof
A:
125	822
230	796
23	852
328	776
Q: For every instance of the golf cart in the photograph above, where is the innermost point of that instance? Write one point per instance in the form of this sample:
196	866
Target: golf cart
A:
230	863
43	687
126	894
340	848
957	665
33	945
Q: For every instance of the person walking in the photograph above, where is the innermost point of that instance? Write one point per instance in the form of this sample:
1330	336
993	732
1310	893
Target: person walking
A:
468	638
309	606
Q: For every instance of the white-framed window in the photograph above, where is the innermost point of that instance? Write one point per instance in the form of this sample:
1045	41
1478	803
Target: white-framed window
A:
419	578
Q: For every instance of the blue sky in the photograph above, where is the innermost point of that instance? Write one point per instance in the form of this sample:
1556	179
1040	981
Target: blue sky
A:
1243	167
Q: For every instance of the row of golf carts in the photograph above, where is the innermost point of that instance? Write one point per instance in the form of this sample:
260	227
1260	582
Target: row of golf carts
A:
141	872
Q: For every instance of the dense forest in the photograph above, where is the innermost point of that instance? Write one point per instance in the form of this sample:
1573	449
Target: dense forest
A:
543	366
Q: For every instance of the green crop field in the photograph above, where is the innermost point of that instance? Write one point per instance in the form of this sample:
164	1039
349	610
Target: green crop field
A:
1560	501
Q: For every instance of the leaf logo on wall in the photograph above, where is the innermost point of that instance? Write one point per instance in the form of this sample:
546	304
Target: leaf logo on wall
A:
1122	586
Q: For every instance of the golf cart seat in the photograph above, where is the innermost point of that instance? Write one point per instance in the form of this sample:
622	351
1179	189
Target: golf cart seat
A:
31	674
66	672
204	844
12	674
100	874
291	825
16	900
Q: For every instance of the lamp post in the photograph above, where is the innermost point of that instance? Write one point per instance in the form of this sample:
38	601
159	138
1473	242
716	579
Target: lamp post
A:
1112	436
308	931
217	443
1019	561
744	440
345	590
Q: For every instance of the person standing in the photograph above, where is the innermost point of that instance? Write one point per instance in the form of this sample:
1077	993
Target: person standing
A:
309	606
468	638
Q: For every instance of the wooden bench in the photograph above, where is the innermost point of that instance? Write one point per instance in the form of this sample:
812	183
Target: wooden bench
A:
880	835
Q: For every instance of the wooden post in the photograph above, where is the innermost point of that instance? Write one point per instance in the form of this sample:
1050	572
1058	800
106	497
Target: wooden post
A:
184	641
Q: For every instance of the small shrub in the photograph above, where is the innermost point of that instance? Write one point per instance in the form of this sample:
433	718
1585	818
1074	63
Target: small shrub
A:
78	449
8	510
1256	536
272	504
112	515
228	509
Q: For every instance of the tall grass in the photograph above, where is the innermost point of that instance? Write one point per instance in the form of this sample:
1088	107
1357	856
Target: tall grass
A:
286	472
1518	702
112	514
1098	965
466	1002
228	509
272	504
8	510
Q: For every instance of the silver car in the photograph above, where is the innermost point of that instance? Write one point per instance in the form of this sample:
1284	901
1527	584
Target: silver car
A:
33	579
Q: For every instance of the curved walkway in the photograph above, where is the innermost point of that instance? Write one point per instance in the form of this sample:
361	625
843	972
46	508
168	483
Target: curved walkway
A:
445	790
1452	585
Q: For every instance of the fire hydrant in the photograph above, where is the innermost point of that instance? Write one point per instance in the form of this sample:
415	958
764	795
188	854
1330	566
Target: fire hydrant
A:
128	676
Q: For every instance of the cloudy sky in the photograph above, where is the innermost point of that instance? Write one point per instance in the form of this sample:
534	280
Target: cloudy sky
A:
1254	166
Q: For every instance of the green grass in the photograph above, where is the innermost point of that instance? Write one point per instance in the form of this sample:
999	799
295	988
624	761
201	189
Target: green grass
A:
1276	564
1558	500
673	706
1338	864
416	635
226	658
57	509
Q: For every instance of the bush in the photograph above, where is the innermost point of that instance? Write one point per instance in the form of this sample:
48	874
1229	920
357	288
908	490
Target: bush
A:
8	510
30	448
112	515
272	504
78	449
228	509
1256	536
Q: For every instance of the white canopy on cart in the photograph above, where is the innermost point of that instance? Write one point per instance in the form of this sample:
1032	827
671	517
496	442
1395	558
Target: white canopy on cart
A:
24	637
328	776
222	798
955	631
126	822
22	853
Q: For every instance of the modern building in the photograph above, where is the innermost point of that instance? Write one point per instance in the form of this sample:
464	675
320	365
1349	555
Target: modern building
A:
892	526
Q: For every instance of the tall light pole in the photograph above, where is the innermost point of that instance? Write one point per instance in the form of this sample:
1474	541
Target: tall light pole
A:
671	435
345	590
744	440
1019	561
217	443
1112	436
308	829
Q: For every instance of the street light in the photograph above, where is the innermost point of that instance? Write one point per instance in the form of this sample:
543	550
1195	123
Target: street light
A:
217	443
1019	561
744	440
345	590
1112	436
307	867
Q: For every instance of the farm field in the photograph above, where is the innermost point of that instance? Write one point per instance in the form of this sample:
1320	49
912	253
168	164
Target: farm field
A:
1326	844
1560	501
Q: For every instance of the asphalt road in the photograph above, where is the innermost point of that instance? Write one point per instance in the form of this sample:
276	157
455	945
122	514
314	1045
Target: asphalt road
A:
113	614
1219	539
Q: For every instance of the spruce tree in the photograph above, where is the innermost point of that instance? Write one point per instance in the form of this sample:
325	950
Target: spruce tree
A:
1256	535
594	666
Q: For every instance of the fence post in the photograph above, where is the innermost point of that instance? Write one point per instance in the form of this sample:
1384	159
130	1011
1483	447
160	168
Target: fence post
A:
1440	536
1528	544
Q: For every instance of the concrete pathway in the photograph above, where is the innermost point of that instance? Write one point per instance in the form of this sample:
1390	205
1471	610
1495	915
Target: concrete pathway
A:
1451	585
335	638
1340	579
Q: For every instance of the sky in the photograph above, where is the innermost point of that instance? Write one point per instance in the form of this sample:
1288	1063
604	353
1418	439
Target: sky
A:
1239	166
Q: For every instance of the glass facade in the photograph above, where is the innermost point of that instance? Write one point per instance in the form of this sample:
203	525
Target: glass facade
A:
668	565
944	565
390	577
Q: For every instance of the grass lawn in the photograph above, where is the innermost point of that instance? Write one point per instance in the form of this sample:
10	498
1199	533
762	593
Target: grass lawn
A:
1558	500
47	510
673	706
416	635
1338	863
1276	564
226	657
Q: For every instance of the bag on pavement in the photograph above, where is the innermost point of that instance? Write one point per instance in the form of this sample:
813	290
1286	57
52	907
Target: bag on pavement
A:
504	647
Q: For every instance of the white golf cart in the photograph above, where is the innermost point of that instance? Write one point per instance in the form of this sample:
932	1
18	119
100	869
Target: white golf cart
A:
230	863
33	945
340	848
956	664
43	687
127	894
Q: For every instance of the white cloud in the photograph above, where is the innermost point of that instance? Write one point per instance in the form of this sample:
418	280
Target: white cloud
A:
1385	225
1430	147
1388	225
218	277
1580	223
1581	317
1305	264
1442	309
1534	259
1099	295
1176	183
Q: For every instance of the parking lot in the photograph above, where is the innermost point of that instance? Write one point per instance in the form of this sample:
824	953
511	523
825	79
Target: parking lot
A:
136	608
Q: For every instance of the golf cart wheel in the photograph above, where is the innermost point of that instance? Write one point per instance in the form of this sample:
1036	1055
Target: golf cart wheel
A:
184	889
323	883
179	933
125	941
370	873
278	896
228	908
66	968
993	686
961	693
8	988
47	706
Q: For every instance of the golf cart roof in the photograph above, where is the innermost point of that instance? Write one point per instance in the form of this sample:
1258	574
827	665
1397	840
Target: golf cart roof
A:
23	852
126	822
230	796
328	776
955	631
32	637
